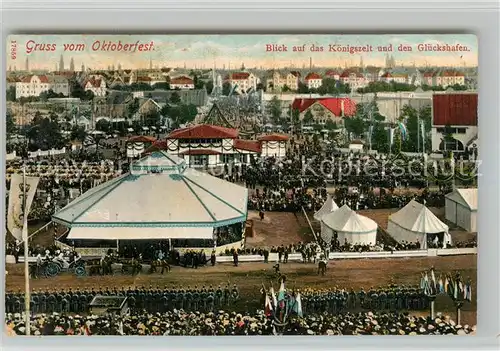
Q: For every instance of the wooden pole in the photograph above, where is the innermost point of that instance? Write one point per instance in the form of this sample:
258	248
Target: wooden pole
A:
26	261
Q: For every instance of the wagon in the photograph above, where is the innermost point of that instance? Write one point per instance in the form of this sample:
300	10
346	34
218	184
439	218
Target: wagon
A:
55	266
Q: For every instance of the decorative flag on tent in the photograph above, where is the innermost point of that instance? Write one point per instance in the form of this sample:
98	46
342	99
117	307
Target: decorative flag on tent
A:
427	287
268	307
433	280
422	281
468	289
422	130
298	305
391	136
441	286
446	285
403	131
281	292
370	133
16	218
273	295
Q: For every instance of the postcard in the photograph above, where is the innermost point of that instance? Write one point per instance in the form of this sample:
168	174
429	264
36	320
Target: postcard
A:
241	184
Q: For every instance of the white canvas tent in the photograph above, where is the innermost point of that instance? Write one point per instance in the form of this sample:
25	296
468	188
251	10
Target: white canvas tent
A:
461	208
160	198
415	222
350	226
328	206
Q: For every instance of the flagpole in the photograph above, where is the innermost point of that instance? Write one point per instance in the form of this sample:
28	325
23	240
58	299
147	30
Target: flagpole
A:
418	131
26	263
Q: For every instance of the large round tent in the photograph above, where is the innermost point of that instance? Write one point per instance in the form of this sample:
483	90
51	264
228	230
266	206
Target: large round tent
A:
160	198
328	207
349	226
416	223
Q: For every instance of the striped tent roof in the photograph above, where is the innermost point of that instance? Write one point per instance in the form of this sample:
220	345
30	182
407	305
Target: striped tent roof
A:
159	193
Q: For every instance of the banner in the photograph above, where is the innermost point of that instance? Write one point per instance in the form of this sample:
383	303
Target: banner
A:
402	129
391	136
15	215
422	130
14	211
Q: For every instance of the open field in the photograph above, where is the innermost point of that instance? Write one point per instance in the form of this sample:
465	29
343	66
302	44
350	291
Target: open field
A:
278	228
249	277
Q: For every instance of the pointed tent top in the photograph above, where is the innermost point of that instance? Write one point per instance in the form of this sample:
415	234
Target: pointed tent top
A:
465	196
328	206
418	218
346	220
159	161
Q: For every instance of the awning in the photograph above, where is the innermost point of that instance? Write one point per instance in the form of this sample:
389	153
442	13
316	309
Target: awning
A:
137	233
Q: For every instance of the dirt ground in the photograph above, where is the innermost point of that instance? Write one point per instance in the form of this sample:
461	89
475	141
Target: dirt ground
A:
278	228
249	277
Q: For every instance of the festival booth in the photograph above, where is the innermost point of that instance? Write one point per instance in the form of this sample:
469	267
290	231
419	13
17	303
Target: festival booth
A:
328	206
350	226
415	222
136	145
461	208
160	198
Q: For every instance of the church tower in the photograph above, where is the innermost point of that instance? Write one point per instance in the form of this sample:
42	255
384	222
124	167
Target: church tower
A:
61	64
72	65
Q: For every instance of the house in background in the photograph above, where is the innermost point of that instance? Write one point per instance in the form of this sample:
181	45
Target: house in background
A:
325	109
454	121
313	80
181	82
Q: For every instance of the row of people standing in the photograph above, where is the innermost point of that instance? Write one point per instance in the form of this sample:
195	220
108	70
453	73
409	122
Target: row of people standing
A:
138	299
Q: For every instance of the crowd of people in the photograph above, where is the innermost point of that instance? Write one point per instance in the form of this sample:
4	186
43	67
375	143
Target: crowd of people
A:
391	298
185	323
139	299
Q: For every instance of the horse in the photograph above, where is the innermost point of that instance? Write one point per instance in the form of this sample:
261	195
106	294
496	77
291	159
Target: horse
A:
163	264
322	267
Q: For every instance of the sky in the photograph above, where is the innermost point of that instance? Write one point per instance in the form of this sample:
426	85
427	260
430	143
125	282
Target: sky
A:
231	51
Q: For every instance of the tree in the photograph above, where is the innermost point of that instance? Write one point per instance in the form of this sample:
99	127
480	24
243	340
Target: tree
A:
275	109
328	86
409	117
161	86
198	83
355	125
303	89
187	113
78	133
46	95
45	134
103	126
10	125
140	87
152	118
11	94
285	88
209	86
308	117
77	90
226	88
261	86
380	138
133	107
175	98
330	125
